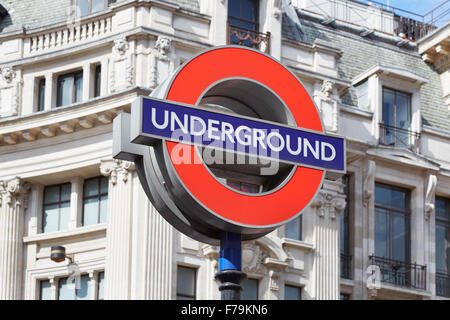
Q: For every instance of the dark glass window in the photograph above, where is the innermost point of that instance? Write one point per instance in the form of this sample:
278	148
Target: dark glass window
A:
44	290
67	290
95	200
250	289
56	207
442	234
101	286
98	79
392	219
346	257
70	88
294	229
244	14
41	94
292	292
186	283
396	115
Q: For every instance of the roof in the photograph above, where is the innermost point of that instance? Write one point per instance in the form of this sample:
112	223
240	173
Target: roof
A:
360	54
31	14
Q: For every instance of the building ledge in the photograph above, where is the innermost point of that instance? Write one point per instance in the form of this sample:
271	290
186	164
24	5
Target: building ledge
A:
297	244
387	290
393	72
59	235
356	111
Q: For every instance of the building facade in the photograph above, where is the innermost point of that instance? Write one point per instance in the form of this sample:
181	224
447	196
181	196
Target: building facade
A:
68	67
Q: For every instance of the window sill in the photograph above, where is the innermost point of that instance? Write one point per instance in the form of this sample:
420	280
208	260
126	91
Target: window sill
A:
66	233
297	244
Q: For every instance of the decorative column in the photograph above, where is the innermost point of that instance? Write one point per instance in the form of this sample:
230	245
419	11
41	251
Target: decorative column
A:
327	205
12	198
119	224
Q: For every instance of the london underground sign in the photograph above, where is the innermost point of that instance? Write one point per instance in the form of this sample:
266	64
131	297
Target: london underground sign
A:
228	101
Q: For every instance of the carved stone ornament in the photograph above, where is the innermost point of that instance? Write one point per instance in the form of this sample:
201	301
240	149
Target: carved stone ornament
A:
13	192
369	183
115	169
8	74
429	203
163	45
327	88
253	258
121	45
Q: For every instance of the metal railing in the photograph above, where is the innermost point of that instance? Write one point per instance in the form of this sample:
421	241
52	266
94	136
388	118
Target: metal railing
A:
442	284
346	266
248	38
379	16
398	137
401	273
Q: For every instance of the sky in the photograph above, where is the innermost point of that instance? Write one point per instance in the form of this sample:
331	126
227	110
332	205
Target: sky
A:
416	6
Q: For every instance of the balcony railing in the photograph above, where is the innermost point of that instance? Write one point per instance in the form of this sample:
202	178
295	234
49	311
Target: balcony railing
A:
442	284
346	266
248	38
400	273
398	137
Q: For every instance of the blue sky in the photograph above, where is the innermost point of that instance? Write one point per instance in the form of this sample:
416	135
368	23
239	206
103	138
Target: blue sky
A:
416	6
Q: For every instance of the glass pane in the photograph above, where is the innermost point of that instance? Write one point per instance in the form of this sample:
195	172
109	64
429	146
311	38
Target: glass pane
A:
91	187
78	87
250	290
83	291
440	208
65	192
41	98
51	194
104	185
45	293
388	116
83	5
249	8
234	8
64	216
186	281
101	285
90	211
234	184
292	293
65	86
293	229
103	209
66	291
50	221
390	197
98	78
398	238
97	5
442	249
380	233
403	111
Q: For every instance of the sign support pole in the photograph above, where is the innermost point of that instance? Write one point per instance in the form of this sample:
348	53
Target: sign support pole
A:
230	265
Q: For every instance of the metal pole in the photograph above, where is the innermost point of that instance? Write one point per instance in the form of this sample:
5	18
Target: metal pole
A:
230	265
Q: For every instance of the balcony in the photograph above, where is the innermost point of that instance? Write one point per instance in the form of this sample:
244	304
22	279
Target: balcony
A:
346	266
400	273
248	38
398	137
442	284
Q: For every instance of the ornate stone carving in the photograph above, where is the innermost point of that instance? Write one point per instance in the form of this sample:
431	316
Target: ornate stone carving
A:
429	198
253	258
13	192
161	61
122	70
121	45
212	254
369	183
274	280
328	204
327	88
163	45
328	103
115	169
8	74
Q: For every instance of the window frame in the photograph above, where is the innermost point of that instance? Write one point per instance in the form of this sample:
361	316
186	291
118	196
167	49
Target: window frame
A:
445	222
293	286
74	74
59	203
41	83
257	288
105	6
254	23
97	80
98	196
177	294
75	294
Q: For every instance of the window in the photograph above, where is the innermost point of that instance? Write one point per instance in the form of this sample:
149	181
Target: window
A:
392	222
56	207
44	290
41	95
395	129
90	6
244	14
344	233
294	229
98	79
292	293
186	283
442	246
67	289
70	88
250	289
95	200
243	186
101	286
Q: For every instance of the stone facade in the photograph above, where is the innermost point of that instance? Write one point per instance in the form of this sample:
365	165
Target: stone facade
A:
137	44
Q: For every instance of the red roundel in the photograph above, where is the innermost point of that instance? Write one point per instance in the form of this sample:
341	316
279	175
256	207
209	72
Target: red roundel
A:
264	210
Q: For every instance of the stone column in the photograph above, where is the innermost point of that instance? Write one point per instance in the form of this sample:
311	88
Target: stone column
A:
327	206
119	223
12	197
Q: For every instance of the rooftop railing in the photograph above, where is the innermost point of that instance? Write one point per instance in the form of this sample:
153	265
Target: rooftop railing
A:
398	137
248	38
